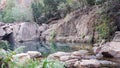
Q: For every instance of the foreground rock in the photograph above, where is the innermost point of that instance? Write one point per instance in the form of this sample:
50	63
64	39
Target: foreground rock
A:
92	63
81	59
24	57
109	50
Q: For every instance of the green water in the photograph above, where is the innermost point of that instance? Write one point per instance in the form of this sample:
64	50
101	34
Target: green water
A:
47	48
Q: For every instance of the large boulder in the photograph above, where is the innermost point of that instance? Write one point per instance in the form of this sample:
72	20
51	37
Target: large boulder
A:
34	54
25	31
110	50
21	58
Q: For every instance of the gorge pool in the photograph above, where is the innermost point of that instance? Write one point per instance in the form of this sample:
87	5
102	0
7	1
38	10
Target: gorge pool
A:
47	48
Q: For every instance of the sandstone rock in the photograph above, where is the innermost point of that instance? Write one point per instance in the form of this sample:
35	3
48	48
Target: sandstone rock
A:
111	50
43	27
26	31
58	55
116	37
2	32
72	26
21	58
70	63
23	31
107	63
90	57
96	49
75	57
34	54
92	63
99	56
81	53
64	58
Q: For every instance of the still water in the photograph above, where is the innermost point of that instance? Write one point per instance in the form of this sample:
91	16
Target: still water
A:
47	48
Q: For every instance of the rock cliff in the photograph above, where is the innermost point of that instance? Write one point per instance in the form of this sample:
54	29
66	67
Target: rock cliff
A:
77	26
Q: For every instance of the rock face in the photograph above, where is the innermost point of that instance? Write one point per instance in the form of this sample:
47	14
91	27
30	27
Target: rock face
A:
24	31
75	27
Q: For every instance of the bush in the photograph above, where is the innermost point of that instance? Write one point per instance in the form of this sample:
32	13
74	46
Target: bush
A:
103	28
4	45
47	63
20	13
15	13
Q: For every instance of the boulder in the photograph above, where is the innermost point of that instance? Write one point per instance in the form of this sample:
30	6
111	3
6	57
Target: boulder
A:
21	58
34	54
92	63
2	32
116	37
43	27
25	31
69	57
81	53
107	63
64	58
70	63
111	49
58	55
96	49
90	57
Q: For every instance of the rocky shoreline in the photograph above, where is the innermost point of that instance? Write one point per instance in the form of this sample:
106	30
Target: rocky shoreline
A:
104	55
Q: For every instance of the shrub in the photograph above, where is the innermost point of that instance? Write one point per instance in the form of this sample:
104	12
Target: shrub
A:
103	28
20	13
47	63
15	13
4	45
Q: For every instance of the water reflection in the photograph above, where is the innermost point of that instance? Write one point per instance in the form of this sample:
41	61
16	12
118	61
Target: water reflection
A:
46	47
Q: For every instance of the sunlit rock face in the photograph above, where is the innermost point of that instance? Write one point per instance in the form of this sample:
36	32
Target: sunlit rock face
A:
24	31
75	27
